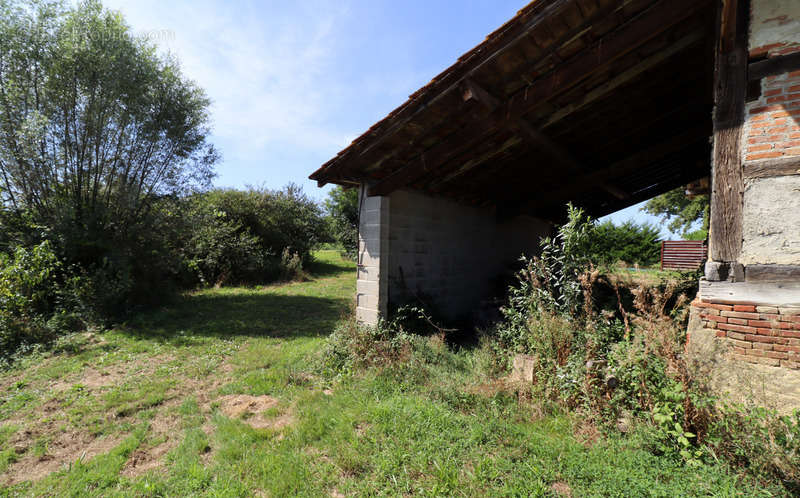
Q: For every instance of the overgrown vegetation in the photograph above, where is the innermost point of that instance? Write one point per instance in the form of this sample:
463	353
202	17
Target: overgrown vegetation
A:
625	364
611	355
143	410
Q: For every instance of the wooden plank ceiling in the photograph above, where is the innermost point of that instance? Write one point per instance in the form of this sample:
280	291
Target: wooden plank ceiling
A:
603	103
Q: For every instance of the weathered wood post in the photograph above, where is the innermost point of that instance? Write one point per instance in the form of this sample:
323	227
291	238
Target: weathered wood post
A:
727	187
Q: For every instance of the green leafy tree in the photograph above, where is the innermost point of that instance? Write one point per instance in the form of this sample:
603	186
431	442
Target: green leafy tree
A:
96	132
681	212
342	207
95	126
629	242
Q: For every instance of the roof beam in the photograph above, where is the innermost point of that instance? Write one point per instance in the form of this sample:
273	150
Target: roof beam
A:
550	51
643	28
361	148
626	166
581	31
624	77
473	90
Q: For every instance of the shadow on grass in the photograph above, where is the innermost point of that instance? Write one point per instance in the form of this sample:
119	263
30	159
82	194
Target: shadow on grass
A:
248	312
319	268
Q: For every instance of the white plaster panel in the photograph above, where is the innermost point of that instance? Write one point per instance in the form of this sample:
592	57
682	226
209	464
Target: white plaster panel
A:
771	221
774	21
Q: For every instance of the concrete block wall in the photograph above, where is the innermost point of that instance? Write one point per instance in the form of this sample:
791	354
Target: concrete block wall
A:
373	241
449	253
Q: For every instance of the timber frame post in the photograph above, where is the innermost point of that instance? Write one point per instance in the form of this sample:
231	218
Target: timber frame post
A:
727	184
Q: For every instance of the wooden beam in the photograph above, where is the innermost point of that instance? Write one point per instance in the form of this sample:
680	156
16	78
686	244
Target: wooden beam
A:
643	28
621	168
774	65
770	294
772	273
625	76
473	90
730	85
784	166
552	9
580	31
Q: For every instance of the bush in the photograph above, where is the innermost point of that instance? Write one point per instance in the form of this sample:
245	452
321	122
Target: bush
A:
629	242
29	298
251	236
218	249
622	363
279	219
353	345
342	206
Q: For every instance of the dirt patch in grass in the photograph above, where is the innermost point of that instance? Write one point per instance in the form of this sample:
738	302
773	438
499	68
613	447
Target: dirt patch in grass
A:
64	449
250	409
95	379
5	384
165	431
493	387
561	488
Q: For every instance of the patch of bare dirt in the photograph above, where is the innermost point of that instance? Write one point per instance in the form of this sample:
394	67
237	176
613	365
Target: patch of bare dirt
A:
95	379
251	410
491	388
64	449
165	433
561	489
164	427
6	384
145	459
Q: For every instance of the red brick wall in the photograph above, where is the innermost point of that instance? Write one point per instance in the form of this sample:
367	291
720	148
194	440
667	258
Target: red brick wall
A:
771	129
768	335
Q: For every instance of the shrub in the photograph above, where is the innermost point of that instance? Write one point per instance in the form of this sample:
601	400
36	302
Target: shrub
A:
629	242
342	206
353	345
28	297
218	249
279	219
252	236
624	360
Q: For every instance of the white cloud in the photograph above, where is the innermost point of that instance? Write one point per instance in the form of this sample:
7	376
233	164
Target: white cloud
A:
266	69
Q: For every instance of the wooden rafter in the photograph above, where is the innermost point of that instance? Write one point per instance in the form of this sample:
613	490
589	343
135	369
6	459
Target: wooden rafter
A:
643	28
637	161
473	90
551	10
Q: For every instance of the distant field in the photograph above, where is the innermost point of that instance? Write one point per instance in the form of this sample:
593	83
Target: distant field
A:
219	394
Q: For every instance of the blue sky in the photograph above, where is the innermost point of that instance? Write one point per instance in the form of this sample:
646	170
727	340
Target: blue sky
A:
293	82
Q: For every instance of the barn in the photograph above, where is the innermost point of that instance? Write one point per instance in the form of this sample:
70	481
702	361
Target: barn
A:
601	103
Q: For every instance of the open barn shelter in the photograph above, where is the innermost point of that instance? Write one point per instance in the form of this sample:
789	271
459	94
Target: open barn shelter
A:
601	103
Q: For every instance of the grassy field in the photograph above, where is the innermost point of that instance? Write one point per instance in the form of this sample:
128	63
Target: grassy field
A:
220	394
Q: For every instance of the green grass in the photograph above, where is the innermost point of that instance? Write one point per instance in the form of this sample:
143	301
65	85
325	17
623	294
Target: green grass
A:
426	427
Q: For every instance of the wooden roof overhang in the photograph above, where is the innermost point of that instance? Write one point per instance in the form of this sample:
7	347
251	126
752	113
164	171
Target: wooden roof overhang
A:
603	103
